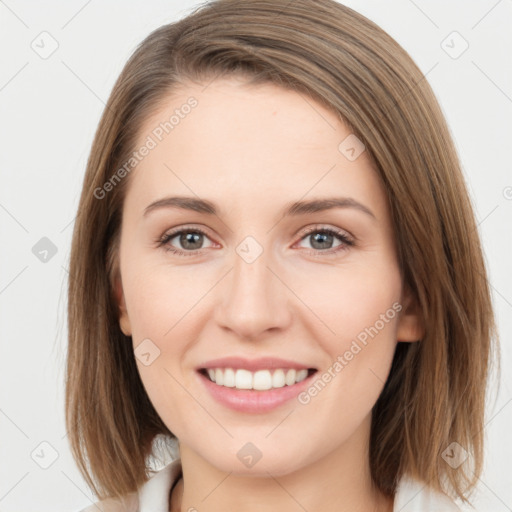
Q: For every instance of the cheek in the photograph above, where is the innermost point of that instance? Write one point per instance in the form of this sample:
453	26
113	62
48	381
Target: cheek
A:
165	307
161	305
158	297
350	300
360	306
365	304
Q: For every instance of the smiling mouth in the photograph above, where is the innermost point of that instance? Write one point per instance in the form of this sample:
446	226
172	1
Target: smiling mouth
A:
260	380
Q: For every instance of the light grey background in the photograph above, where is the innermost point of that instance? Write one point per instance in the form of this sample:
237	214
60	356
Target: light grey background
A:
50	108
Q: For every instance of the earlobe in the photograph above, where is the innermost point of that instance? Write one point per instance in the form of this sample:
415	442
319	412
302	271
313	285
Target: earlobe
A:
124	321
410	323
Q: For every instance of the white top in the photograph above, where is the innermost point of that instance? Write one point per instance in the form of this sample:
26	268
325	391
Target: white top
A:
153	496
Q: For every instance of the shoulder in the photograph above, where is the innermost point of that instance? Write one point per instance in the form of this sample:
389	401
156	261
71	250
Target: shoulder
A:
415	496
152	496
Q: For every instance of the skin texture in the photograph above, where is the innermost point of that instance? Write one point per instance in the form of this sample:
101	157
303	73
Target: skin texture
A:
252	150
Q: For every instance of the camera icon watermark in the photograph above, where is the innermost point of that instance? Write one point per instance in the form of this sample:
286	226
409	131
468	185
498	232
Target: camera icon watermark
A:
249	455
44	45
454	45
44	250
454	455
249	249
44	455
146	352
351	147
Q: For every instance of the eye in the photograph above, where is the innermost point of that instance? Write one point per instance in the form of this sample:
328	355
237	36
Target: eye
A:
322	239
191	239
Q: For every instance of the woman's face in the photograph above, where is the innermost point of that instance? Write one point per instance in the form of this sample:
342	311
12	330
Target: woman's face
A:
318	287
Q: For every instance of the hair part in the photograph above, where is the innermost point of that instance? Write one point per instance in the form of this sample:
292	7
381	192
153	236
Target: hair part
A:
436	390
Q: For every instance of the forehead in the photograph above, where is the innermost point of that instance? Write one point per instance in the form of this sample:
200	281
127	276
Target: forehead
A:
249	142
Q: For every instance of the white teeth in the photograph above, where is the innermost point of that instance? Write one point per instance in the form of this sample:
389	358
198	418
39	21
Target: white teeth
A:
229	378
260	380
278	380
290	377
301	375
243	379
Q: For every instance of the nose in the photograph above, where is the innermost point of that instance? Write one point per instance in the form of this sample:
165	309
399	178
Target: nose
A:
255	299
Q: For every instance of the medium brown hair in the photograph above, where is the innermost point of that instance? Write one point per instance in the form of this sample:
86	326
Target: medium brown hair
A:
436	390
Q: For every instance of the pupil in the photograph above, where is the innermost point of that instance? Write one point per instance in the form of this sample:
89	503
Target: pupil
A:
187	240
322	238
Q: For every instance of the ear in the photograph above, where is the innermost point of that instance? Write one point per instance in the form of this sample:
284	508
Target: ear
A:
410	323
124	321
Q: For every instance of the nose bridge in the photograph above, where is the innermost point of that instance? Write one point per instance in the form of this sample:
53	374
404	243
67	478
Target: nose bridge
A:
255	299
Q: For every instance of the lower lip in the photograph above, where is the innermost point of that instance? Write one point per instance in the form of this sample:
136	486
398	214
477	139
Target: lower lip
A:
253	401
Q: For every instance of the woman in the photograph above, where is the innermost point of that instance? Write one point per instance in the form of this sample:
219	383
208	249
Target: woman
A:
276	265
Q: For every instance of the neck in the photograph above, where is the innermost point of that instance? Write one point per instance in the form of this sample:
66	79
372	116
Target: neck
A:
340	481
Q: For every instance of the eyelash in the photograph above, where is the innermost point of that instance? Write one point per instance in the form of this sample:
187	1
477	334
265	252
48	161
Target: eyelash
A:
347	242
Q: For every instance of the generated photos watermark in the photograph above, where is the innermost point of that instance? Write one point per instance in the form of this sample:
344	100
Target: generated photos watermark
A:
343	360
157	135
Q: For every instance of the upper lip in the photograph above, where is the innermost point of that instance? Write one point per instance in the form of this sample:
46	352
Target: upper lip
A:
262	363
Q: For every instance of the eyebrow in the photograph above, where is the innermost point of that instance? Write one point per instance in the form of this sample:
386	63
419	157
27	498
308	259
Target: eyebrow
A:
291	209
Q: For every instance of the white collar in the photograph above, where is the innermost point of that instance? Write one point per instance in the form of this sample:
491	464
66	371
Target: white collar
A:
154	494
